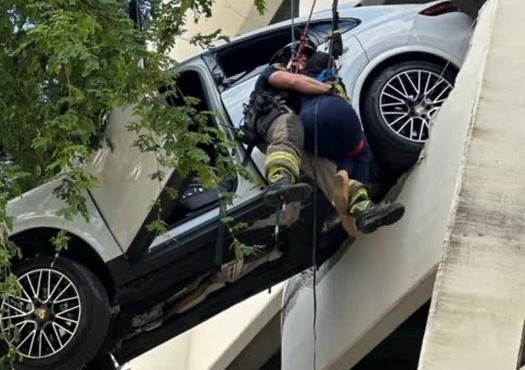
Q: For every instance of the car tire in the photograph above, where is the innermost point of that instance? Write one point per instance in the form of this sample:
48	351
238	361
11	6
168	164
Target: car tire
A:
403	91
66	320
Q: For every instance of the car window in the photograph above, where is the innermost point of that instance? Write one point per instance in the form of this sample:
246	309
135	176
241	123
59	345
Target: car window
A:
242	60
194	199
320	32
238	59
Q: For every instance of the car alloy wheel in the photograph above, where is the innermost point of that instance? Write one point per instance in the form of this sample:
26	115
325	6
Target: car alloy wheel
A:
398	107
59	320
45	317
410	99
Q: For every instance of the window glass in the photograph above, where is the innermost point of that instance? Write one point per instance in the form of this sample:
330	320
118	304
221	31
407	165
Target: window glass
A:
319	32
242	60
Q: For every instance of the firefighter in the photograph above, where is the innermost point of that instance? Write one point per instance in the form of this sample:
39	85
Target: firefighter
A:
333	130
271	123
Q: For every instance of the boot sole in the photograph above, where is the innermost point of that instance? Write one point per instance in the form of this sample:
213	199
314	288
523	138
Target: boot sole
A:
295	193
388	217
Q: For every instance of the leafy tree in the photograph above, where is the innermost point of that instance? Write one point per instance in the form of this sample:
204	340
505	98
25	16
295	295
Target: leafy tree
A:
66	64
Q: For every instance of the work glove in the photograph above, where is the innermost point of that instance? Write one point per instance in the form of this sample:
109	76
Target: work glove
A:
339	90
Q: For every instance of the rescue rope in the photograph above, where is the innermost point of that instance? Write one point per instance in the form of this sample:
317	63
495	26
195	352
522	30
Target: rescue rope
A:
302	45
335	28
304	38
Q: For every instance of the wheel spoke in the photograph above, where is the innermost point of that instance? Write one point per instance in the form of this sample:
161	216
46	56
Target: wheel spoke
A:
397	91
55	288
67	310
48	341
40	344
61	327
27	298
392	104
411	83
67	319
39	283
396	113
48	285
441	94
57	334
397	120
35	294
418	82
65	300
404	125
426	84
422	129
32	342
62	292
393	97
14	308
26	338
437	102
402	84
439	82
23	323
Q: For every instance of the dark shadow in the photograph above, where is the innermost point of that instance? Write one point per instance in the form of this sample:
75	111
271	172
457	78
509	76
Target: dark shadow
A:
400	350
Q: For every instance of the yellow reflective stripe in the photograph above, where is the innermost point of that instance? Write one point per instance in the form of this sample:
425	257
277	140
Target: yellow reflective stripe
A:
276	171
288	158
285	159
357	193
281	154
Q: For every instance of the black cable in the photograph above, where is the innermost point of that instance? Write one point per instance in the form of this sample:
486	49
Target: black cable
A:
292	16
315	212
315	232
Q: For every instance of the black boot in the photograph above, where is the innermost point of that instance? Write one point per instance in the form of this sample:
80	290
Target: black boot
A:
370	216
283	190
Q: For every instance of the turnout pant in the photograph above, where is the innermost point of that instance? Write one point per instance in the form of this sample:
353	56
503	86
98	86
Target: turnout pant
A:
284	146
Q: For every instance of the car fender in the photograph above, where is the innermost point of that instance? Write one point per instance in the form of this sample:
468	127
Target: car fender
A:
39	209
358	86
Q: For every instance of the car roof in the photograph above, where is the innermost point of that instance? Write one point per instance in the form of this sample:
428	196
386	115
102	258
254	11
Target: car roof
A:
316	16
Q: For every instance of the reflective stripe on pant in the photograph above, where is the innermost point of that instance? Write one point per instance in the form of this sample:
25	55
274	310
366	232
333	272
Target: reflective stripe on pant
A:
285	145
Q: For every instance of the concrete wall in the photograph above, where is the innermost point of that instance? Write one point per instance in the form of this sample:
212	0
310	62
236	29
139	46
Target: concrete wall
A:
375	285
478	311
233	17
216	343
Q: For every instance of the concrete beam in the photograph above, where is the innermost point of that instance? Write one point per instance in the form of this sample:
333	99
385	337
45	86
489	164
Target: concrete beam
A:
478	310
233	17
383	278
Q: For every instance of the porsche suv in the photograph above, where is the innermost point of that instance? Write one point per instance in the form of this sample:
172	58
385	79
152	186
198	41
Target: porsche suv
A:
121	289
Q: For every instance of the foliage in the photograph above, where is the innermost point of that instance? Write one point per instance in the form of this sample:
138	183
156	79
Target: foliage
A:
66	65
